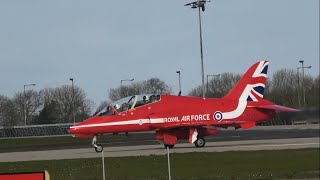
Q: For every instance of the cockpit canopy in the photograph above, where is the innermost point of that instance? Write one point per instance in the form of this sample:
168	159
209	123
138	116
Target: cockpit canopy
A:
128	103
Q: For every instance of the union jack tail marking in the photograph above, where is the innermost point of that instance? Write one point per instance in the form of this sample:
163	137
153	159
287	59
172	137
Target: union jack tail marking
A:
252	84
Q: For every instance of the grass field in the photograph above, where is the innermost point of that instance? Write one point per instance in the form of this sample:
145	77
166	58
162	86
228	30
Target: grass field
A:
63	140
277	164
21	142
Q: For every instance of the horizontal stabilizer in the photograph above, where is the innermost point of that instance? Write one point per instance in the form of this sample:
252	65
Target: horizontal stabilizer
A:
277	108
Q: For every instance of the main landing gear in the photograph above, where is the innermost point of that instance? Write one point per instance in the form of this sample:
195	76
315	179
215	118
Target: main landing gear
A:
97	147
201	142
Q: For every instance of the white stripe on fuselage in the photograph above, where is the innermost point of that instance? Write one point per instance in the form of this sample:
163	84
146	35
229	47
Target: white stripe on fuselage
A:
129	122
235	113
242	104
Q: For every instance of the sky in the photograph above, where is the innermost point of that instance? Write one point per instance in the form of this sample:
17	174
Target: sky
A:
100	42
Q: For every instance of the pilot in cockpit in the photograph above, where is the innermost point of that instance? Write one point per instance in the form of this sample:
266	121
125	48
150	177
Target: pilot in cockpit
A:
116	106
145	99
125	106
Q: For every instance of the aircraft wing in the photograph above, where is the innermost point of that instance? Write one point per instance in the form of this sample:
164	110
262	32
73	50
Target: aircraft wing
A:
243	124
277	108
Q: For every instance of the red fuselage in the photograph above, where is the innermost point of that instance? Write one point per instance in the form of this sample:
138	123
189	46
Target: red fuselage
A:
170	112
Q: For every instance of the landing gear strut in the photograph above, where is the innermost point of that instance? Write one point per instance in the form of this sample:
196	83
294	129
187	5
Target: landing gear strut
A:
97	147
168	146
200	142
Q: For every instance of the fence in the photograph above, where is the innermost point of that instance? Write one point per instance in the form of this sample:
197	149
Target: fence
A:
35	130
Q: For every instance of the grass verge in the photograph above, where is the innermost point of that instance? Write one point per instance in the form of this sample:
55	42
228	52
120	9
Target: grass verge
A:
65	140
275	164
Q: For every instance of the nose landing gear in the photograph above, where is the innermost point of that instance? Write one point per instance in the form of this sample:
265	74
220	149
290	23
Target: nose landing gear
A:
97	147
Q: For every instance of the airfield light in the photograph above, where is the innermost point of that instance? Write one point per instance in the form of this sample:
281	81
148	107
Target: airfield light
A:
298	86
24	102
200	4
179	82
73	113
303	90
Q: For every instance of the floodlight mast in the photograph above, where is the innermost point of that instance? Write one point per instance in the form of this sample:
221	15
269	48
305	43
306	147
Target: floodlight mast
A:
24	102
73	113
178	72
200	5
303	90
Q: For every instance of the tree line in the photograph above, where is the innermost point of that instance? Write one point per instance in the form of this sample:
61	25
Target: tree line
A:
68	104
65	104
48	106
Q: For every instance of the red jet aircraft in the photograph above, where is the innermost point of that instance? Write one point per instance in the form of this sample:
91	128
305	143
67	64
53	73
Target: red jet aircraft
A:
183	117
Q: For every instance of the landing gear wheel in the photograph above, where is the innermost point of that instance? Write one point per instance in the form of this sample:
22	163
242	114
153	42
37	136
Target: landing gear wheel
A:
201	142
98	148
168	146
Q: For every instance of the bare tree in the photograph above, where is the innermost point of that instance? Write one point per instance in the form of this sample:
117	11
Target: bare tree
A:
267	89
218	86
284	88
312	91
150	86
197	91
155	86
27	105
61	100
8	114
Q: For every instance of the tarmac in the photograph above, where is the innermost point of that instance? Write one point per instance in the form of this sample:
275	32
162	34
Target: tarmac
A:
145	150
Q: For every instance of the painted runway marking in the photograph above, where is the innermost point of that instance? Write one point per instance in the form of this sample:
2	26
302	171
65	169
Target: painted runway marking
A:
274	145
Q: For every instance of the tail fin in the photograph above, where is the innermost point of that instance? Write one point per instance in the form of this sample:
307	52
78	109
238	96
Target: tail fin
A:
252	84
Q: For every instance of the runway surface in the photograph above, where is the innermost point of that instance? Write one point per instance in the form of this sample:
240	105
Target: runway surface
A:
148	138
143	150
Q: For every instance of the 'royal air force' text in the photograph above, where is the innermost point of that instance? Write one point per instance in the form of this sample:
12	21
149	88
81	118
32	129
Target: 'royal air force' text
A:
188	118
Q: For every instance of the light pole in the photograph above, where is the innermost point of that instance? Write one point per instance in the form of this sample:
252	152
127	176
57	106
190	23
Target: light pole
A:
73	114
298	87
24	102
200	4
121	93
213	75
179	83
303	90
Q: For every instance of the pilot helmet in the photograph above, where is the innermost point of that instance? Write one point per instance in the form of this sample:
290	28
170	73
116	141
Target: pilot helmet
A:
145	98
116	106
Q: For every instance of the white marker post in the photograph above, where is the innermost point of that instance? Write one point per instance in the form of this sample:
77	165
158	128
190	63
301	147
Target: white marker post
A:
168	162
103	175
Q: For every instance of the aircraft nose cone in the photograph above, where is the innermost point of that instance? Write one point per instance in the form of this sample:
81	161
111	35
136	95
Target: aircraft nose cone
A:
73	130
